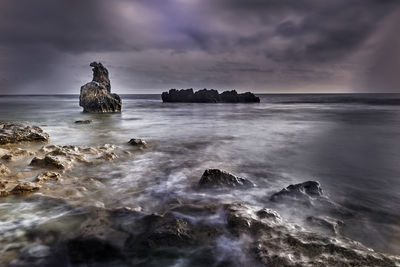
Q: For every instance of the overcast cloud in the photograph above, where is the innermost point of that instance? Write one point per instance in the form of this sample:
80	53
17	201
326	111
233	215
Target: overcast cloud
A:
150	46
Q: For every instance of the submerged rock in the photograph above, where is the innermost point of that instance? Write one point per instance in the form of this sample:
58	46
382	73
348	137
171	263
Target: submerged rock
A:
20	188
83	121
48	176
219	178
96	96
137	142
17	154
11	133
325	223
208	96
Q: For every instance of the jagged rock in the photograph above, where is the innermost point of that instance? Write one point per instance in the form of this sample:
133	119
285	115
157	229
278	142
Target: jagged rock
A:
219	178
48	176
25	187
302	192
278	243
17	154
208	96
64	157
83	121
325	223
234	97
137	142
49	162
4	170
11	133
96	96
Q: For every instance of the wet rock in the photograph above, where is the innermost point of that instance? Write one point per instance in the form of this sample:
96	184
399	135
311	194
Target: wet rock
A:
24	188
49	162
208	96
303	192
275	242
11	133
92	250
4	170
17	154
64	157
48	176
325	223
219	178
137	142
83	121
96	96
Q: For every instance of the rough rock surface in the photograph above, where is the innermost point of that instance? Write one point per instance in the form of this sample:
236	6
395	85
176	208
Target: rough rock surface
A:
17	188
265	238
302	192
64	157
208	96
16	154
219	178
11	133
137	142
96	96
4	170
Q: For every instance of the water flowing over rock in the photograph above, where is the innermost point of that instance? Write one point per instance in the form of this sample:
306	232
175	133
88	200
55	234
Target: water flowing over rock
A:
11	133
96	96
208	96
219	178
301	192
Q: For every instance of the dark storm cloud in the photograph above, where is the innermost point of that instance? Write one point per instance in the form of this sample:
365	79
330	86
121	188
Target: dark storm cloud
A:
253	43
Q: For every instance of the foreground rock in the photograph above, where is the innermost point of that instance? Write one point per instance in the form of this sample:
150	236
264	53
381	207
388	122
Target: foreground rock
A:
221	179
11	133
64	157
208	96
200	235
96	96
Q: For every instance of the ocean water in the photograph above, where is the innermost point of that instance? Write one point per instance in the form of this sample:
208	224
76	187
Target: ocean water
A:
349	143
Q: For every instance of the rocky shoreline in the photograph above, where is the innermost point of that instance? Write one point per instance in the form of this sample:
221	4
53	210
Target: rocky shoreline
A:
199	232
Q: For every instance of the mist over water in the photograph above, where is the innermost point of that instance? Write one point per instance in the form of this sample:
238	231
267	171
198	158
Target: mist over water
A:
347	142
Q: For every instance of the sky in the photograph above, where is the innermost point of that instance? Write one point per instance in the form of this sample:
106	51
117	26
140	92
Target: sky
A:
149	46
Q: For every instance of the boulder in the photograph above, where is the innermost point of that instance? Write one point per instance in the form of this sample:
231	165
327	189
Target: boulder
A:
96	96
137	142
303	192
221	179
208	96
11	133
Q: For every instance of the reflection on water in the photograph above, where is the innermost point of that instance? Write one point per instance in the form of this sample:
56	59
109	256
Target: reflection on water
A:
348	143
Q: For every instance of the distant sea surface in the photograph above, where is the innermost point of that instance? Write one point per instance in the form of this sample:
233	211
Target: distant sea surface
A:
350	143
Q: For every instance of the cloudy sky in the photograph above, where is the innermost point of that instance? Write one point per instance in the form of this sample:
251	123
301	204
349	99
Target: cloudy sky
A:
153	45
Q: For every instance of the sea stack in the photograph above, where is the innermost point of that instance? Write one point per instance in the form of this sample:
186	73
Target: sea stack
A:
96	96
208	96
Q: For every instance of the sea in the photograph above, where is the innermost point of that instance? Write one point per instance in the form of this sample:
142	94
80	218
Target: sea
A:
350	143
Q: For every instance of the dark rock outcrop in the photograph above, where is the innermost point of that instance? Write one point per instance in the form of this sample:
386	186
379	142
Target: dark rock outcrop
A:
137	142
302	192
96	96
208	96
83	122
11	133
220	179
